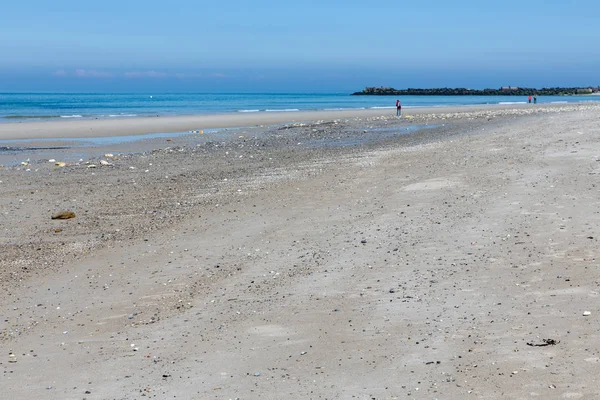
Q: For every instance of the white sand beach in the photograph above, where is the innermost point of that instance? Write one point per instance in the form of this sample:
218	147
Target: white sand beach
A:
340	259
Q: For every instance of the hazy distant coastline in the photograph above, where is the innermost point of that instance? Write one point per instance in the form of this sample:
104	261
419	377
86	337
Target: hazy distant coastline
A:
503	91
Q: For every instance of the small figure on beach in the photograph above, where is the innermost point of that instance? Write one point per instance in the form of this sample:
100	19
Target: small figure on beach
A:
535	99
398	108
529	99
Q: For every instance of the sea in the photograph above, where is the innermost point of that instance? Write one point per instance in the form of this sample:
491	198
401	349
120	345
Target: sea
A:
45	106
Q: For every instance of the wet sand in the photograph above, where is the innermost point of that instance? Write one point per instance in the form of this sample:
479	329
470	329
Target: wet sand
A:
336	259
86	128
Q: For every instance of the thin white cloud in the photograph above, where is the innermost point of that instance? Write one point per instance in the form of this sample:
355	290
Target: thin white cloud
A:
182	75
179	75
145	74
92	73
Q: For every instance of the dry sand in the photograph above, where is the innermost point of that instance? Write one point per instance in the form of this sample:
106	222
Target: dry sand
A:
313	261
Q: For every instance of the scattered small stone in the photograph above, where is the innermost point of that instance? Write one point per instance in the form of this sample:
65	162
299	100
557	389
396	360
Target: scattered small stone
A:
587	313
363	241
257	374
63	215
545	342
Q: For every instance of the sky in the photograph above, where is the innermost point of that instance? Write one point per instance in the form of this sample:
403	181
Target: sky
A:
301	45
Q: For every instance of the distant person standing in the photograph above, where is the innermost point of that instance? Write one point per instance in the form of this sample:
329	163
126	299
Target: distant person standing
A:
398	108
535	99
529	99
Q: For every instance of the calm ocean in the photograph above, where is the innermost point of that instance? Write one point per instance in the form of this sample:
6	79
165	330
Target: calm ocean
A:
21	106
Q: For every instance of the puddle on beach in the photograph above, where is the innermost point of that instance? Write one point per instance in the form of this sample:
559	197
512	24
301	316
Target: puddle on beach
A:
17	149
359	137
14	152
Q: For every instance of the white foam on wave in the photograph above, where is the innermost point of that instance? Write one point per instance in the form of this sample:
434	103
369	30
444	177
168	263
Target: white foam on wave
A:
382	108
248	111
343	109
513	102
122	115
559	102
71	116
283	110
436	106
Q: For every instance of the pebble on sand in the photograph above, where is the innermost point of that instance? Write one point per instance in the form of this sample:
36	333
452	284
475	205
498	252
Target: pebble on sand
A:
63	215
587	313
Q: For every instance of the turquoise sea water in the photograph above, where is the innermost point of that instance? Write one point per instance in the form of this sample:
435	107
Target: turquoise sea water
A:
23	106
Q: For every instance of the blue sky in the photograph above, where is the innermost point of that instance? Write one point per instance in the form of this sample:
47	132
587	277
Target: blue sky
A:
320	45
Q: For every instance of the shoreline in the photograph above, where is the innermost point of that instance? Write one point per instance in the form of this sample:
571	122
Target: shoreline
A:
88	128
